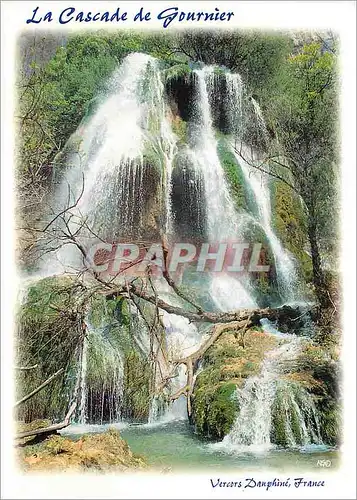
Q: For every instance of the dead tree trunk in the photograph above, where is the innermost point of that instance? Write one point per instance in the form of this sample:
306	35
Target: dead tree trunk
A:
39	388
51	428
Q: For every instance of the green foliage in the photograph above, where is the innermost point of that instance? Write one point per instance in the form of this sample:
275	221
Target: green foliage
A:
303	111
289	219
241	195
256	56
176	71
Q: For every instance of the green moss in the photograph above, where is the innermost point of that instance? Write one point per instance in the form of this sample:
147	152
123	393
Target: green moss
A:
179	127
103	311
242	197
278	431
152	158
219	70
285	418
289	221
215	410
331	424
48	334
265	283
226	366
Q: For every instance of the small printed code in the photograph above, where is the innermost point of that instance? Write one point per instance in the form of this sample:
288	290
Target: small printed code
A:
324	463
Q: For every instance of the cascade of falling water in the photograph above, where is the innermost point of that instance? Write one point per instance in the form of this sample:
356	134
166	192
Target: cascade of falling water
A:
223	224
286	272
221	215
253	427
182	339
111	156
101	362
83	383
133	116
285	267
234	104
223	221
260	119
259	184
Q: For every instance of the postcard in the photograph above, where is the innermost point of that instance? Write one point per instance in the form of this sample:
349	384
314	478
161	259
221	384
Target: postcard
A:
178	214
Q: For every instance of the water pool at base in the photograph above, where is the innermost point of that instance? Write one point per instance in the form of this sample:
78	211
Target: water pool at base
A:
173	445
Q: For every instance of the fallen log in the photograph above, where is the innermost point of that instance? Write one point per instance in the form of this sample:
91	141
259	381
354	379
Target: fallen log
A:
51	428
39	388
254	315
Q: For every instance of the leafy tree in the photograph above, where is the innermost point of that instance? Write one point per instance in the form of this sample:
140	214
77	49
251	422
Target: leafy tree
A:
303	114
254	55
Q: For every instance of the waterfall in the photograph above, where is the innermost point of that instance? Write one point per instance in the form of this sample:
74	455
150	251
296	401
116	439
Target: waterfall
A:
125	152
266	395
182	338
83	383
259	183
224	223
229	293
122	152
234	104
255	401
221	215
101	378
260	119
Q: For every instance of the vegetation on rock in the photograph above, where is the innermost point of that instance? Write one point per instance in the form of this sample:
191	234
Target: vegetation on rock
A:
106	452
226	366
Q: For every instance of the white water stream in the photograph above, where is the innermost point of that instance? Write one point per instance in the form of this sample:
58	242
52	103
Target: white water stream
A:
252	429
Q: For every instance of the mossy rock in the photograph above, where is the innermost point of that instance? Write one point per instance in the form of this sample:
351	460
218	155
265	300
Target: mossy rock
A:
331	423
152	159
179	127
48	334
289	221
51	336
265	283
137	380
285	420
243	198
104	452
214	410
326	373
226	366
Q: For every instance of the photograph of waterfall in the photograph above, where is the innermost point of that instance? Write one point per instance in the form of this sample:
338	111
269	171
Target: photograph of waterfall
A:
177	244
